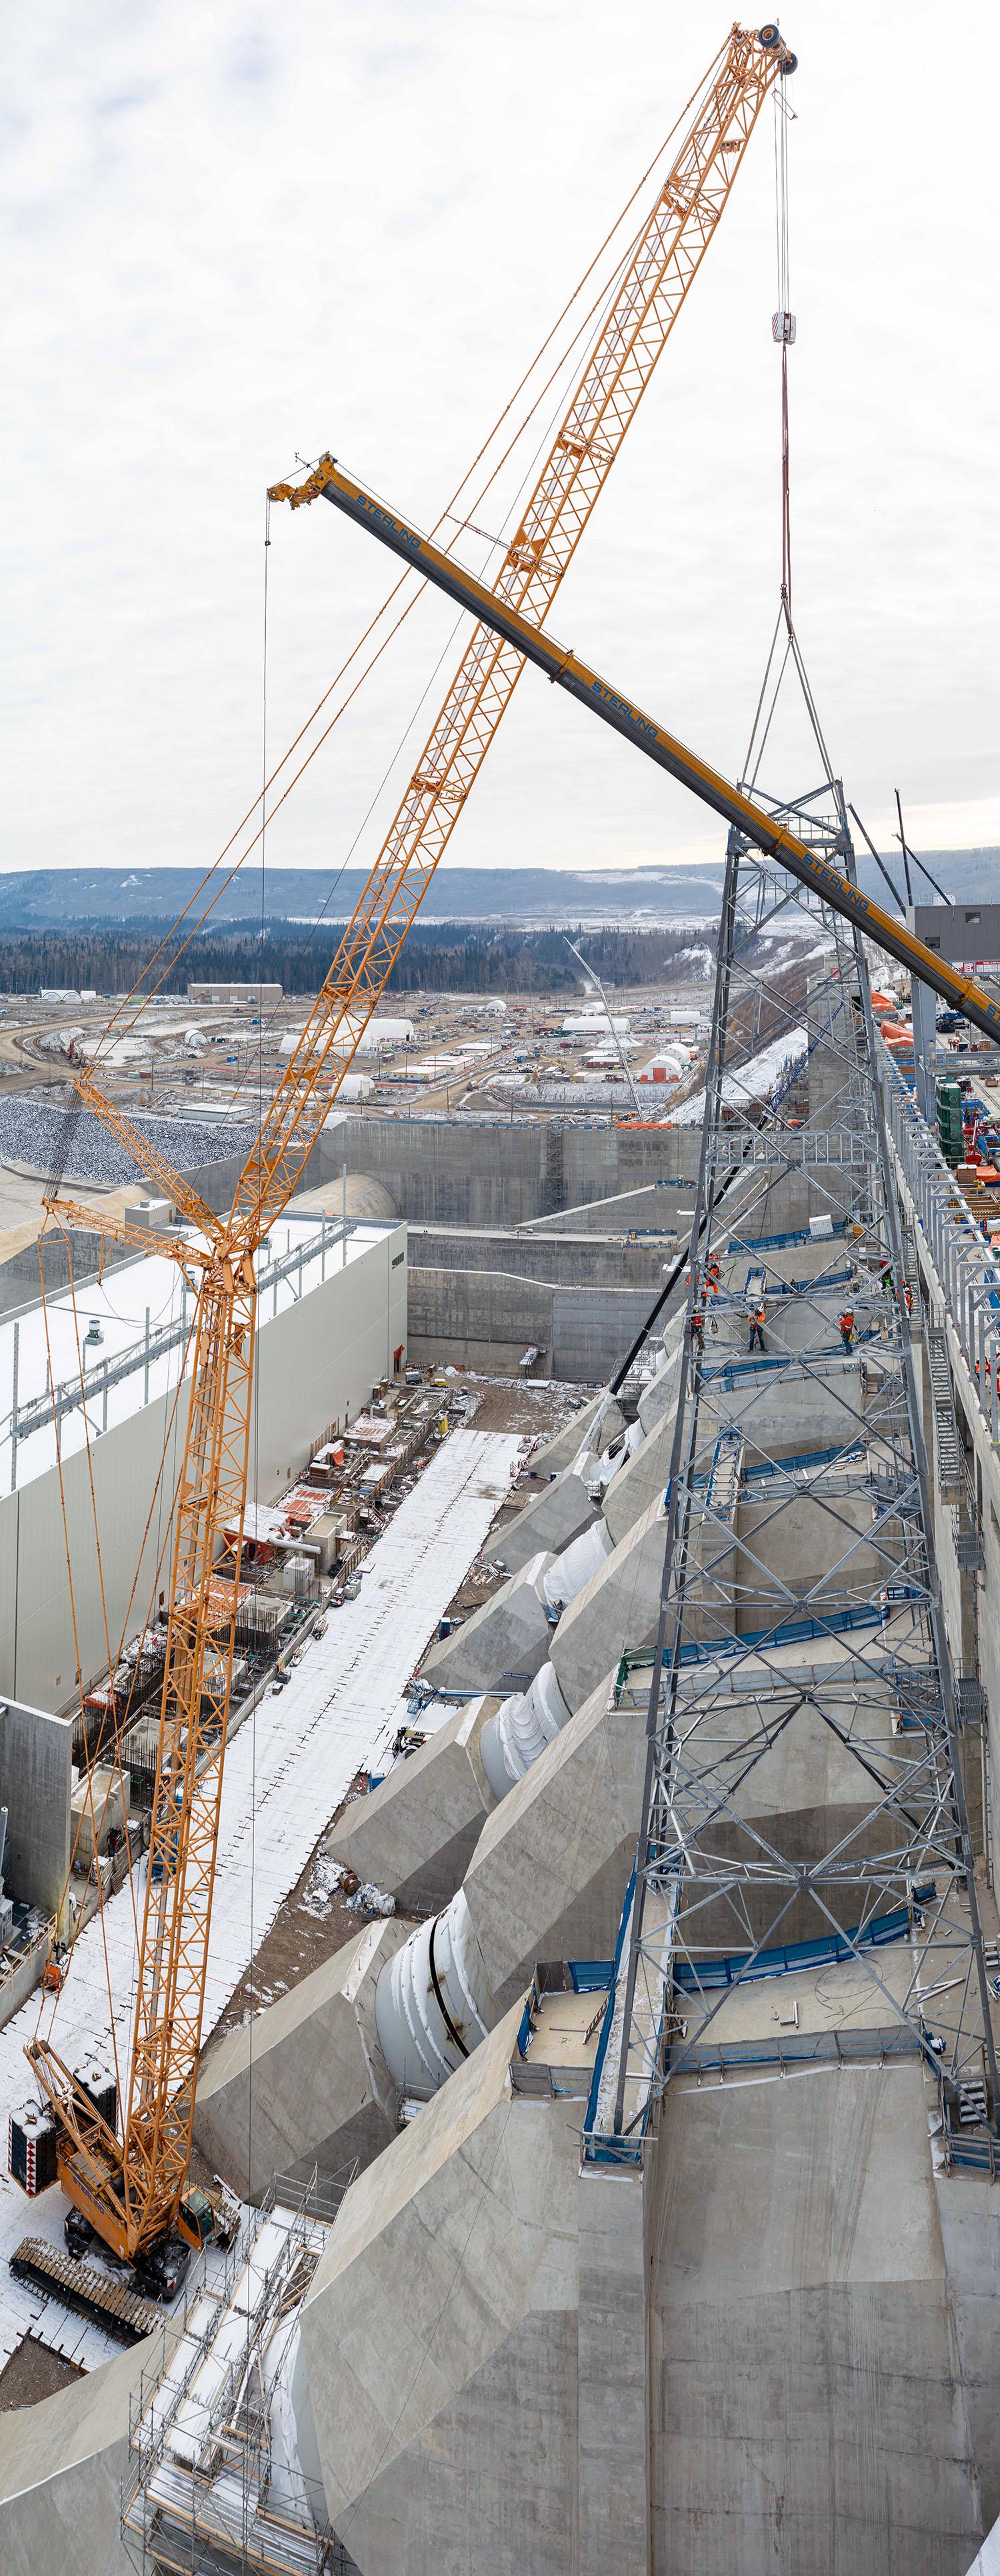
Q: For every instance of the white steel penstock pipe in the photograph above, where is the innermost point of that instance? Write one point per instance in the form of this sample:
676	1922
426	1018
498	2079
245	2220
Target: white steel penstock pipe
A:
577	1564
514	1737
433	2002
517	1733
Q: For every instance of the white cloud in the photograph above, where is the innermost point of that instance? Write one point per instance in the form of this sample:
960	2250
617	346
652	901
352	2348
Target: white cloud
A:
238	232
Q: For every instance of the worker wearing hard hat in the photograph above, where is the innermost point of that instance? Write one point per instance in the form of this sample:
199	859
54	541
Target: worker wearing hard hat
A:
847	1327
758	1319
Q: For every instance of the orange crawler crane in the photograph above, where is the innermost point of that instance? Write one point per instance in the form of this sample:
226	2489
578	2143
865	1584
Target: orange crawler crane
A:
133	2190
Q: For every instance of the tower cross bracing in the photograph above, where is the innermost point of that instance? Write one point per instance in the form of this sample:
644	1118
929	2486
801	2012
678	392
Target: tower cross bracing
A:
804	1814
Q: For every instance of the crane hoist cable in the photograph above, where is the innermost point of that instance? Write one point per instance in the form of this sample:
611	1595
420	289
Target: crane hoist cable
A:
784	329
562	360
132	2189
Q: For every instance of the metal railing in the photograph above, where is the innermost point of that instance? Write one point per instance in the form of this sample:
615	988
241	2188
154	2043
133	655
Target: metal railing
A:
967	1271
90	1387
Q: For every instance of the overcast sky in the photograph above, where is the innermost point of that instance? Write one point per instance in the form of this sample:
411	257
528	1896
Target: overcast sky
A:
235	233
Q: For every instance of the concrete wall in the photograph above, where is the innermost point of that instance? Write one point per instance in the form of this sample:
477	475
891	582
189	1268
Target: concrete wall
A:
61	2470
807	2409
654	1207
19	1276
561	1260
215	1183
305	2083
487	1319
318	1360
470	2375
36	1756
464	1171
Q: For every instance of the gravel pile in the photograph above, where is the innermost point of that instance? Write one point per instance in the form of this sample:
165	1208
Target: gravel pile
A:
573	1095
76	1145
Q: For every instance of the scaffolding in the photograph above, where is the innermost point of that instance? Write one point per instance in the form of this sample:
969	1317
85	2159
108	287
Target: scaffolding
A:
213	2483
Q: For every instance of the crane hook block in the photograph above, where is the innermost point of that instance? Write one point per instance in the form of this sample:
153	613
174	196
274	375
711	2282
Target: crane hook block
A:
783	327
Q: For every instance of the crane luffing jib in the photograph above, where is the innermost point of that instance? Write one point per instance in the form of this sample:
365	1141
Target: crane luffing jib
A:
132	2190
569	672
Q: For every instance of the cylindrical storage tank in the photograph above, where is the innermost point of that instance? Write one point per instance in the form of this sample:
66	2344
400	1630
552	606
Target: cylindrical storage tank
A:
432	2001
583	1558
513	1739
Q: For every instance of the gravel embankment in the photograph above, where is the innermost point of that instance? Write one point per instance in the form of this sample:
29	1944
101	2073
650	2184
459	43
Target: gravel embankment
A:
74	1143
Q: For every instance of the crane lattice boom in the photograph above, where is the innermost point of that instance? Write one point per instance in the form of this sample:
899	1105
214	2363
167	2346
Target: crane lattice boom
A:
133	2189
660	271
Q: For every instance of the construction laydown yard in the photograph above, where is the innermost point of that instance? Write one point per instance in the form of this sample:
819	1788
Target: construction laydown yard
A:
286	1772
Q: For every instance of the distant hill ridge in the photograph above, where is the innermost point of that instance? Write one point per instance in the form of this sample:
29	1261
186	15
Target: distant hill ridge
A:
641	897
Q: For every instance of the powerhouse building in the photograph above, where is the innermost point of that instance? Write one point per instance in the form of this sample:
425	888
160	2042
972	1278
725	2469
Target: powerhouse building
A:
89	1416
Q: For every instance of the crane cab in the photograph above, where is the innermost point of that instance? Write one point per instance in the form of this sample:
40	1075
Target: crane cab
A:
196	2219
208	2217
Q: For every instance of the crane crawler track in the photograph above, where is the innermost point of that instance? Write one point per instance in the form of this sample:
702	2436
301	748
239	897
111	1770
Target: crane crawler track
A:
81	2286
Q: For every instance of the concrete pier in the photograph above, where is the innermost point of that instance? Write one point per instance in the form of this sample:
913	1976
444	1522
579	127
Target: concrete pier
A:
806	2404
61	2470
416	1833
304	2083
475	2280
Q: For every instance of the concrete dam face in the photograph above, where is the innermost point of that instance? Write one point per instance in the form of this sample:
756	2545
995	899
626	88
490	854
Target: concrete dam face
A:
622	2198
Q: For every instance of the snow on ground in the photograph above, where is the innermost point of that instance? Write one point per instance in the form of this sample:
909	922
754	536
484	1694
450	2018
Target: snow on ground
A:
286	1770
755	1080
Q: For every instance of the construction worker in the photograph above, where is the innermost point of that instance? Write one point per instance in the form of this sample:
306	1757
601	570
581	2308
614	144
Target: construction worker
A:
888	1282
712	1279
908	1294
758	1319
847	1327
697	1330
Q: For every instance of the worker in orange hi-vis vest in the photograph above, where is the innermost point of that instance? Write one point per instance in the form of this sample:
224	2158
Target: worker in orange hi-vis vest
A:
758	1319
847	1327
697	1330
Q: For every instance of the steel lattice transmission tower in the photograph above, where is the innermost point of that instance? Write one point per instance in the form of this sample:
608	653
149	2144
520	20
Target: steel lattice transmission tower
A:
804	1804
